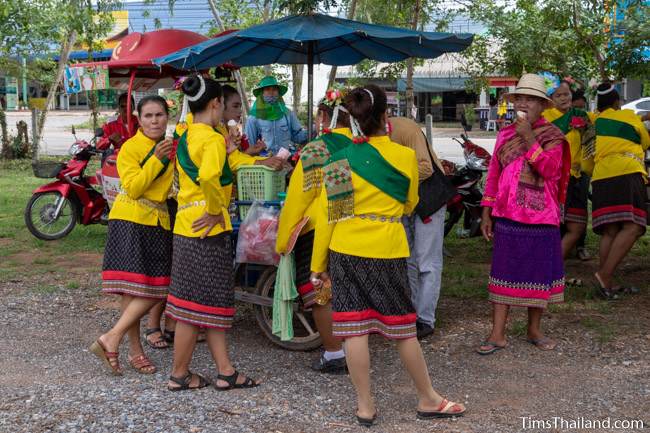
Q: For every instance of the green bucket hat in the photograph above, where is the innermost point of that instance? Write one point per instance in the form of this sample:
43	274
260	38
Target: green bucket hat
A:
269	81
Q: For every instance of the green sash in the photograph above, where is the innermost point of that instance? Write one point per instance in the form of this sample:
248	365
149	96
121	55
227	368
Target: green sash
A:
192	171
165	162
366	162
563	122
315	155
617	128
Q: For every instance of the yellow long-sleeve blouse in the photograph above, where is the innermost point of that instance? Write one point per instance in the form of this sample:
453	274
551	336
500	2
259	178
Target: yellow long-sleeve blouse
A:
621	142
299	204
362	235
146	181
207	150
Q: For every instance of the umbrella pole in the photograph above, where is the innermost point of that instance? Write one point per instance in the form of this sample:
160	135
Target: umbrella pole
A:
310	89
129	109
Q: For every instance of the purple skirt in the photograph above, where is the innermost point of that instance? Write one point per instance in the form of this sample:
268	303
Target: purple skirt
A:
527	265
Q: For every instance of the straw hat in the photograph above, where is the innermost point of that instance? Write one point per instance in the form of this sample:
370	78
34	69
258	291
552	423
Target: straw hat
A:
531	85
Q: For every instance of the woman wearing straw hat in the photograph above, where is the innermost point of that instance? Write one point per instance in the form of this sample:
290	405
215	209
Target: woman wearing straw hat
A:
526	183
271	121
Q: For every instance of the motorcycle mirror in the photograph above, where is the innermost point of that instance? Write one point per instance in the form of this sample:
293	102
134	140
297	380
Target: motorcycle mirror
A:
99	132
73	131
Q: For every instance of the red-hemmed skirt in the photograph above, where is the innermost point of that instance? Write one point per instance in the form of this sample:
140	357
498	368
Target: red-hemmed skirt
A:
371	296
202	289
617	200
137	260
577	200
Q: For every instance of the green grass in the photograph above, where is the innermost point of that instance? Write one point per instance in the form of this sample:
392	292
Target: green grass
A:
518	328
20	251
72	285
604	331
46	288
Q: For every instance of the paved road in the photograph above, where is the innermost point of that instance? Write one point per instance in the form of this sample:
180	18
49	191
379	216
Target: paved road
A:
57	137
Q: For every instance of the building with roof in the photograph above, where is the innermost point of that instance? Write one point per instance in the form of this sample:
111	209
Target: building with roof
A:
439	87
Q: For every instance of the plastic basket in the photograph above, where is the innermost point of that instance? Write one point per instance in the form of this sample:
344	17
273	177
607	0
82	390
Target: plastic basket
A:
47	169
258	182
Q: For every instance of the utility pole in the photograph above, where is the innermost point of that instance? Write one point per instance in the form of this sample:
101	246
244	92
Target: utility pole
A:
238	78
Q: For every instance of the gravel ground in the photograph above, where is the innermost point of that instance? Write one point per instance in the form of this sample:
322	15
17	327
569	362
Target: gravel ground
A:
51	383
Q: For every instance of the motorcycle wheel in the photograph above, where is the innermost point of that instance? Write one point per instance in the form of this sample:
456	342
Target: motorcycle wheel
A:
305	335
39	215
451	219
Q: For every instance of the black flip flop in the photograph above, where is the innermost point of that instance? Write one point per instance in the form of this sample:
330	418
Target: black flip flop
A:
540	343
493	348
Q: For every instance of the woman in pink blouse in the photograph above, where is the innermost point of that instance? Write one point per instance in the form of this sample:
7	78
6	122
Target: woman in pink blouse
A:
526	183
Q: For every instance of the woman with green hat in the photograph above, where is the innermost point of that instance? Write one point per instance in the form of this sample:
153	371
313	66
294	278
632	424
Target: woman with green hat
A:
270	120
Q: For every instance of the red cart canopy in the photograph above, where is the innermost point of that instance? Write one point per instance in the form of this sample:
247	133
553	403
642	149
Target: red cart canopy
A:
134	53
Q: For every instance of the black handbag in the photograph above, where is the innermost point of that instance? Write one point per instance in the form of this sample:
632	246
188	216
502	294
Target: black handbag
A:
434	191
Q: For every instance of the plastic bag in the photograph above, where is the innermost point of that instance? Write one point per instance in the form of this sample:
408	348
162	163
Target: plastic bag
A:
257	235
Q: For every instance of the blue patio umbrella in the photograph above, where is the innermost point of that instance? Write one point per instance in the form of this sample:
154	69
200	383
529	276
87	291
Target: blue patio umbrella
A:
315	38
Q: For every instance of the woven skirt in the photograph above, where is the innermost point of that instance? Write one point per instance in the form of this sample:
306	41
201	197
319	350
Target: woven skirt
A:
575	209
527	265
202	290
137	260
371	296
302	253
617	200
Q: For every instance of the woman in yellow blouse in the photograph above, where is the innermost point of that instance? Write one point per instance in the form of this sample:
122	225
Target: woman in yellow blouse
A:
302	198
201	294
137	259
368	187
573	123
618	184
236	158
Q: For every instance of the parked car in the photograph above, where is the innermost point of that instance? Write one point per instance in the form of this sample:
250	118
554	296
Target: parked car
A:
640	106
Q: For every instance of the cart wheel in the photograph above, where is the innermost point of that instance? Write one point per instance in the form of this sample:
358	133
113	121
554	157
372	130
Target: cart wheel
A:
305	335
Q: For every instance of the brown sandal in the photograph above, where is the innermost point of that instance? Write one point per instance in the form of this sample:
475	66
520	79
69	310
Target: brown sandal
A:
142	364
110	359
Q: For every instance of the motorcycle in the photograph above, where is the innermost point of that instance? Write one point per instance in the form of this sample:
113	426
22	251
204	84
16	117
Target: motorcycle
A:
469	191
55	208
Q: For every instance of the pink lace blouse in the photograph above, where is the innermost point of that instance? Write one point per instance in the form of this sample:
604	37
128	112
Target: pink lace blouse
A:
504	192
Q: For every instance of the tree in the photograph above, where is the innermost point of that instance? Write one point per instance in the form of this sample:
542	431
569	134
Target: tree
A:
410	65
233	15
238	77
351	9
26	29
302	7
76	19
566	37
413	14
